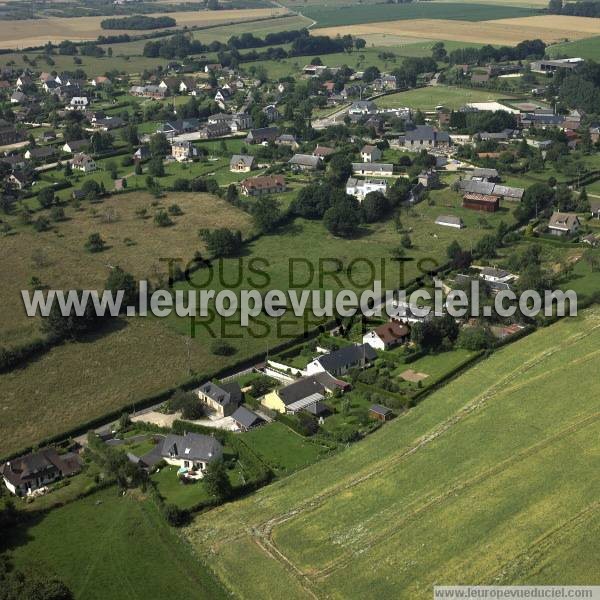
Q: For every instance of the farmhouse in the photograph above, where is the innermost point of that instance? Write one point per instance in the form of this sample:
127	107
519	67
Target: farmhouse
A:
482	202
563	224
223	398
241	163
287	139
192	451
489	188
361	187
373	169
25	474
387	336
481	174
341	361
370	154
265	184
450	221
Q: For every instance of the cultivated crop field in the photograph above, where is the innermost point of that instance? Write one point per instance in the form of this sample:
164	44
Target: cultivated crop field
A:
509	31
329	16
486	481
21	34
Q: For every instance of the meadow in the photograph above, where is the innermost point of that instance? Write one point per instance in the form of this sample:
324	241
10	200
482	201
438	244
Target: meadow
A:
429	97
330	16
113	547
486	481
588	48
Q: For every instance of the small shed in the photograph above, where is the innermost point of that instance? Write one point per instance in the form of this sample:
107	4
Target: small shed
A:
381	413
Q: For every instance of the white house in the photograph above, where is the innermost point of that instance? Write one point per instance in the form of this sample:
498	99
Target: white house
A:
361	187
387	336
341	361
78	103
83	162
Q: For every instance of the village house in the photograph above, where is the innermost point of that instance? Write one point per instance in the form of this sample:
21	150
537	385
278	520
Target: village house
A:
176	127
287	139
99	81
222	398
262	185
83	162
41	153
362	107
19	179
214	130
241	163
428	179
262	135
424	136
370	154
141	154
25	474
18	97
182	151
304	162
108	123
361	187
222	95
78	103
481	174
387	336
271	112
341	361
303	393
75	146
493	275
191	452
563	224
323	152
373	169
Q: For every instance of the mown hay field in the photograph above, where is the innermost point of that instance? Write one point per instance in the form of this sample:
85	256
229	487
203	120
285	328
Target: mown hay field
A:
550	28
487	481
22	34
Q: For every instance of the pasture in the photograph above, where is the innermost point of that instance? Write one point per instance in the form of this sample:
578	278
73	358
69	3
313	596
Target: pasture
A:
23	34
113	546
588	48
135	243
477	484
509	31
429	97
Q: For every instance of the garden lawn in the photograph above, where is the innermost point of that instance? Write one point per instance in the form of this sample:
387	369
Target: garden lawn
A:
281	448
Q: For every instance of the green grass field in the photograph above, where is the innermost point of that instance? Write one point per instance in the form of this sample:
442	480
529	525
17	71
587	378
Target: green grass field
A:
281	448
429	97
330	16
108	546
588	48
486	481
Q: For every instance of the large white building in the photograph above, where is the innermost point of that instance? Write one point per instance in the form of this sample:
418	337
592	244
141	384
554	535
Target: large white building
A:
361	187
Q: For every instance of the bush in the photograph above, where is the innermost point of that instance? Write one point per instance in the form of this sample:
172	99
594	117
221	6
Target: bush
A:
222	348
176	516
162	219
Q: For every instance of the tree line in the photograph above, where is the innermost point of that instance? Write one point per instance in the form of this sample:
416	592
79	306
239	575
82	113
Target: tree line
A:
138	22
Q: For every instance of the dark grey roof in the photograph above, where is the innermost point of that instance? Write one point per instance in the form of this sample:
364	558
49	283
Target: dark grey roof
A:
347	356
246	418
191	446
224	394
427	133
305	160
303	388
